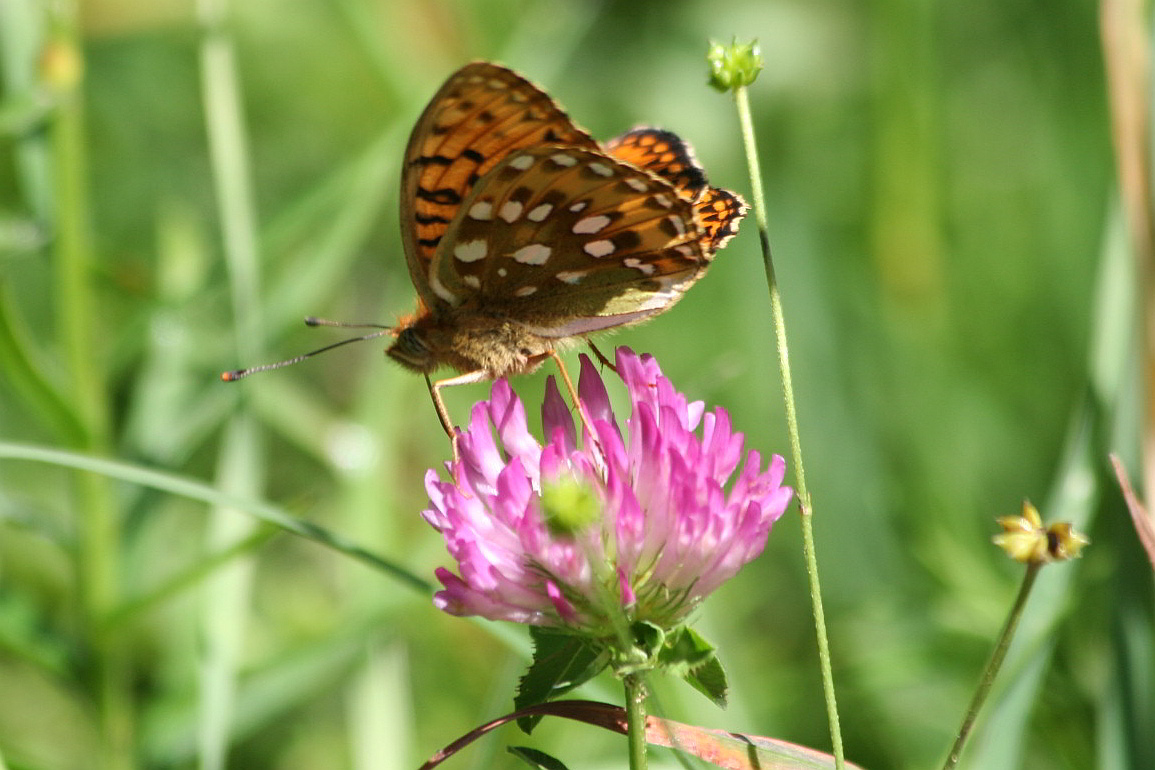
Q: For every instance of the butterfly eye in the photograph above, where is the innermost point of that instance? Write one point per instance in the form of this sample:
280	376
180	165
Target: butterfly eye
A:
411	350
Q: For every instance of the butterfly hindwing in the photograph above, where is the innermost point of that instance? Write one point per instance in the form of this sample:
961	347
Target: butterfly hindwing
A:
718	212
663	153
568	240
669	156
480	115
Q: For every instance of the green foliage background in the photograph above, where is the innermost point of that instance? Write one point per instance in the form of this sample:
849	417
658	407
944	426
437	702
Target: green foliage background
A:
957	291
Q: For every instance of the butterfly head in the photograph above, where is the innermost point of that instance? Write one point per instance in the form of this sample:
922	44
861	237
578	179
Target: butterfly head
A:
412	350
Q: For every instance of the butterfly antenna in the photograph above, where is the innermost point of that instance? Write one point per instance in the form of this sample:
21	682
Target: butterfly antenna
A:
314	321
237	374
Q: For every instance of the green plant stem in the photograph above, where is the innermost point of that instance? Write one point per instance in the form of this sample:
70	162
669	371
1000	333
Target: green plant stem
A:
636	720
97	526
743	104
993	665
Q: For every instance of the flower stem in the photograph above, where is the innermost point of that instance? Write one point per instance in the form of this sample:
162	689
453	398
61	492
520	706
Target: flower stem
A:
993	665
636	720
743	104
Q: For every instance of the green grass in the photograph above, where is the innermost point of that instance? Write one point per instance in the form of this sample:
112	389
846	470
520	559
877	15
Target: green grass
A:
957	291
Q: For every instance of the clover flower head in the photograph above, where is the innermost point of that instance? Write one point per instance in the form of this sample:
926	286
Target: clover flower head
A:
643	522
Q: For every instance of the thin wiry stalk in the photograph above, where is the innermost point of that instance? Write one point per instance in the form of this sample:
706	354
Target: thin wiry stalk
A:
743	104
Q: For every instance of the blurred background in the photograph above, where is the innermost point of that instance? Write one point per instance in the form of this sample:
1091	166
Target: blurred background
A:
182	183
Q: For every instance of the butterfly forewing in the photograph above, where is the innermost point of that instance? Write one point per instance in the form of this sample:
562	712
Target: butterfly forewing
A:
482	114
567	240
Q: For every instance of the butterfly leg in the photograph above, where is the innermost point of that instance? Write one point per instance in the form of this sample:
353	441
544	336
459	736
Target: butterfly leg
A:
442	413
601	357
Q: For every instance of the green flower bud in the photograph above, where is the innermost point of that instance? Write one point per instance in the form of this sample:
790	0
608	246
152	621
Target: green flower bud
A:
734	65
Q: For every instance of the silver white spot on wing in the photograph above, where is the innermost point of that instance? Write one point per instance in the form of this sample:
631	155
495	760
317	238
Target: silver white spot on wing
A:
521	162
538	213
600	248
472	281
645	268
636	184
471	251
579	206
525	291
601	169
533	254
481	211
510	211
663	200
561	159
590	225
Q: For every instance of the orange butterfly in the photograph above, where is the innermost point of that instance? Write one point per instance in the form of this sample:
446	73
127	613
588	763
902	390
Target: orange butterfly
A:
522	232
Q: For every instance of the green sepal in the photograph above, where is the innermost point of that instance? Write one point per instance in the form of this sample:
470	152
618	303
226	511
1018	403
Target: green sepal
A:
649	638
710	680
688	655
561	662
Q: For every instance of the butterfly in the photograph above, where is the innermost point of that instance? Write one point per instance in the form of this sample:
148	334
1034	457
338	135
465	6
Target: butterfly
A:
521	232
